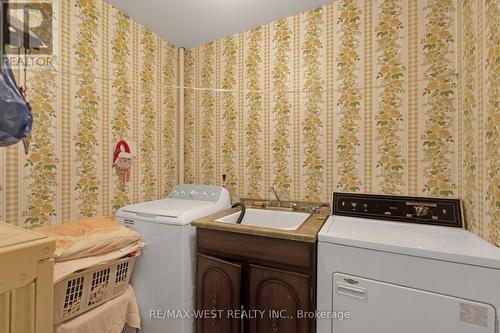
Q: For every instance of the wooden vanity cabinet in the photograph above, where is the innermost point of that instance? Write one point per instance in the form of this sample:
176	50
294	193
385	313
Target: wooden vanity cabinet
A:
272	289
277	277
218	288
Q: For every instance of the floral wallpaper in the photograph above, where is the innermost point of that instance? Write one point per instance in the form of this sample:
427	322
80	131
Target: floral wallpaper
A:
169	120
42	161
312	124
439	91
378	96
492	135
87	103
120	123
207	164
148	115
349	102
229	114
479	116
282	110
389	117
469	109
109	78
254	104
189	144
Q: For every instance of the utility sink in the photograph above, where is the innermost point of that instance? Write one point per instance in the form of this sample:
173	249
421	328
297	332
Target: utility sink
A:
267	218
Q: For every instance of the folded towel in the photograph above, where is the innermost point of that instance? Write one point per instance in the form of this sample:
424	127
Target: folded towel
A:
63	269
89	237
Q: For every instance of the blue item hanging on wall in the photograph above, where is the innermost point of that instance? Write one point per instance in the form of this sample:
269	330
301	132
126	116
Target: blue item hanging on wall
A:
15	113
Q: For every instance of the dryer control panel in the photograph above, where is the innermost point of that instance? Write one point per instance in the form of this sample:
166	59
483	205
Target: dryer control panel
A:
434	211
197	192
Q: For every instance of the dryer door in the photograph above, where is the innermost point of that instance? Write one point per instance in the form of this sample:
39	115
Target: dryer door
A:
379	307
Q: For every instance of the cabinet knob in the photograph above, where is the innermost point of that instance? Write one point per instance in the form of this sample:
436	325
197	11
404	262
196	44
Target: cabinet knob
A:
275	326
215	302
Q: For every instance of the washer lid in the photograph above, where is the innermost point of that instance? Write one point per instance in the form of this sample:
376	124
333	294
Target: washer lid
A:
442	243
170	210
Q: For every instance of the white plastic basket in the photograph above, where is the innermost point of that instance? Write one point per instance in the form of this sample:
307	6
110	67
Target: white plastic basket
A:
86	289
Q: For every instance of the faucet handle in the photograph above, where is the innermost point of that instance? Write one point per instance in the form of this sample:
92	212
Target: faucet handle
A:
314	209
259	204
295	205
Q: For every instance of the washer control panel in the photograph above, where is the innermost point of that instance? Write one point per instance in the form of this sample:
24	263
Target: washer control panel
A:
435	211
196	192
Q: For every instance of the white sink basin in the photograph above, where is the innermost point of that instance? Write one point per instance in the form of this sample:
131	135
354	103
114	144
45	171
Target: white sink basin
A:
268	218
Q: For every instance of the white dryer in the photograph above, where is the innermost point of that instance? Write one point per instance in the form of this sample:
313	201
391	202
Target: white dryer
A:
164	276
405	264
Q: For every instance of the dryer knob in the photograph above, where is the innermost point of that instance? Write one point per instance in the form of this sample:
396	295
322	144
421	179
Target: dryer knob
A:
421	210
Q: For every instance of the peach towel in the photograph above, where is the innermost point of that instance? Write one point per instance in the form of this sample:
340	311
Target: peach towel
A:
89	237
65	268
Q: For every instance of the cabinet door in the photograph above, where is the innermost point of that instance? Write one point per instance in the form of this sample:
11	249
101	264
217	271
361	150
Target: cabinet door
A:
218	290
280	294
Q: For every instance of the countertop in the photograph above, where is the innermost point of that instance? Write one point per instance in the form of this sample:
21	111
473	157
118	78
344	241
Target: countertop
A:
307	232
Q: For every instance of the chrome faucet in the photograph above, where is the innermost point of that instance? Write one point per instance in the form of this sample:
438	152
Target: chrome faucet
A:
273	190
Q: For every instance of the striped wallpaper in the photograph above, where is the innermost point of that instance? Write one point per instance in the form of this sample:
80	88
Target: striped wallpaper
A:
375	96
112	79
479	116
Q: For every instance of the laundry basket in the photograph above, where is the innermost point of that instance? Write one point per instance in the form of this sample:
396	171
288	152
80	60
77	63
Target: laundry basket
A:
91	287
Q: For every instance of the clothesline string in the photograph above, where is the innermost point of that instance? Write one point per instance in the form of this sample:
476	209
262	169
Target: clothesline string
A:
245	91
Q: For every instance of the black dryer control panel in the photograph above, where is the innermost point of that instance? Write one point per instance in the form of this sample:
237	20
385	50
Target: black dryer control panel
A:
434	211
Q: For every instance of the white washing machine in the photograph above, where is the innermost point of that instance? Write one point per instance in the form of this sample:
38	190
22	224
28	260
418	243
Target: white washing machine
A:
405	264
164	276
